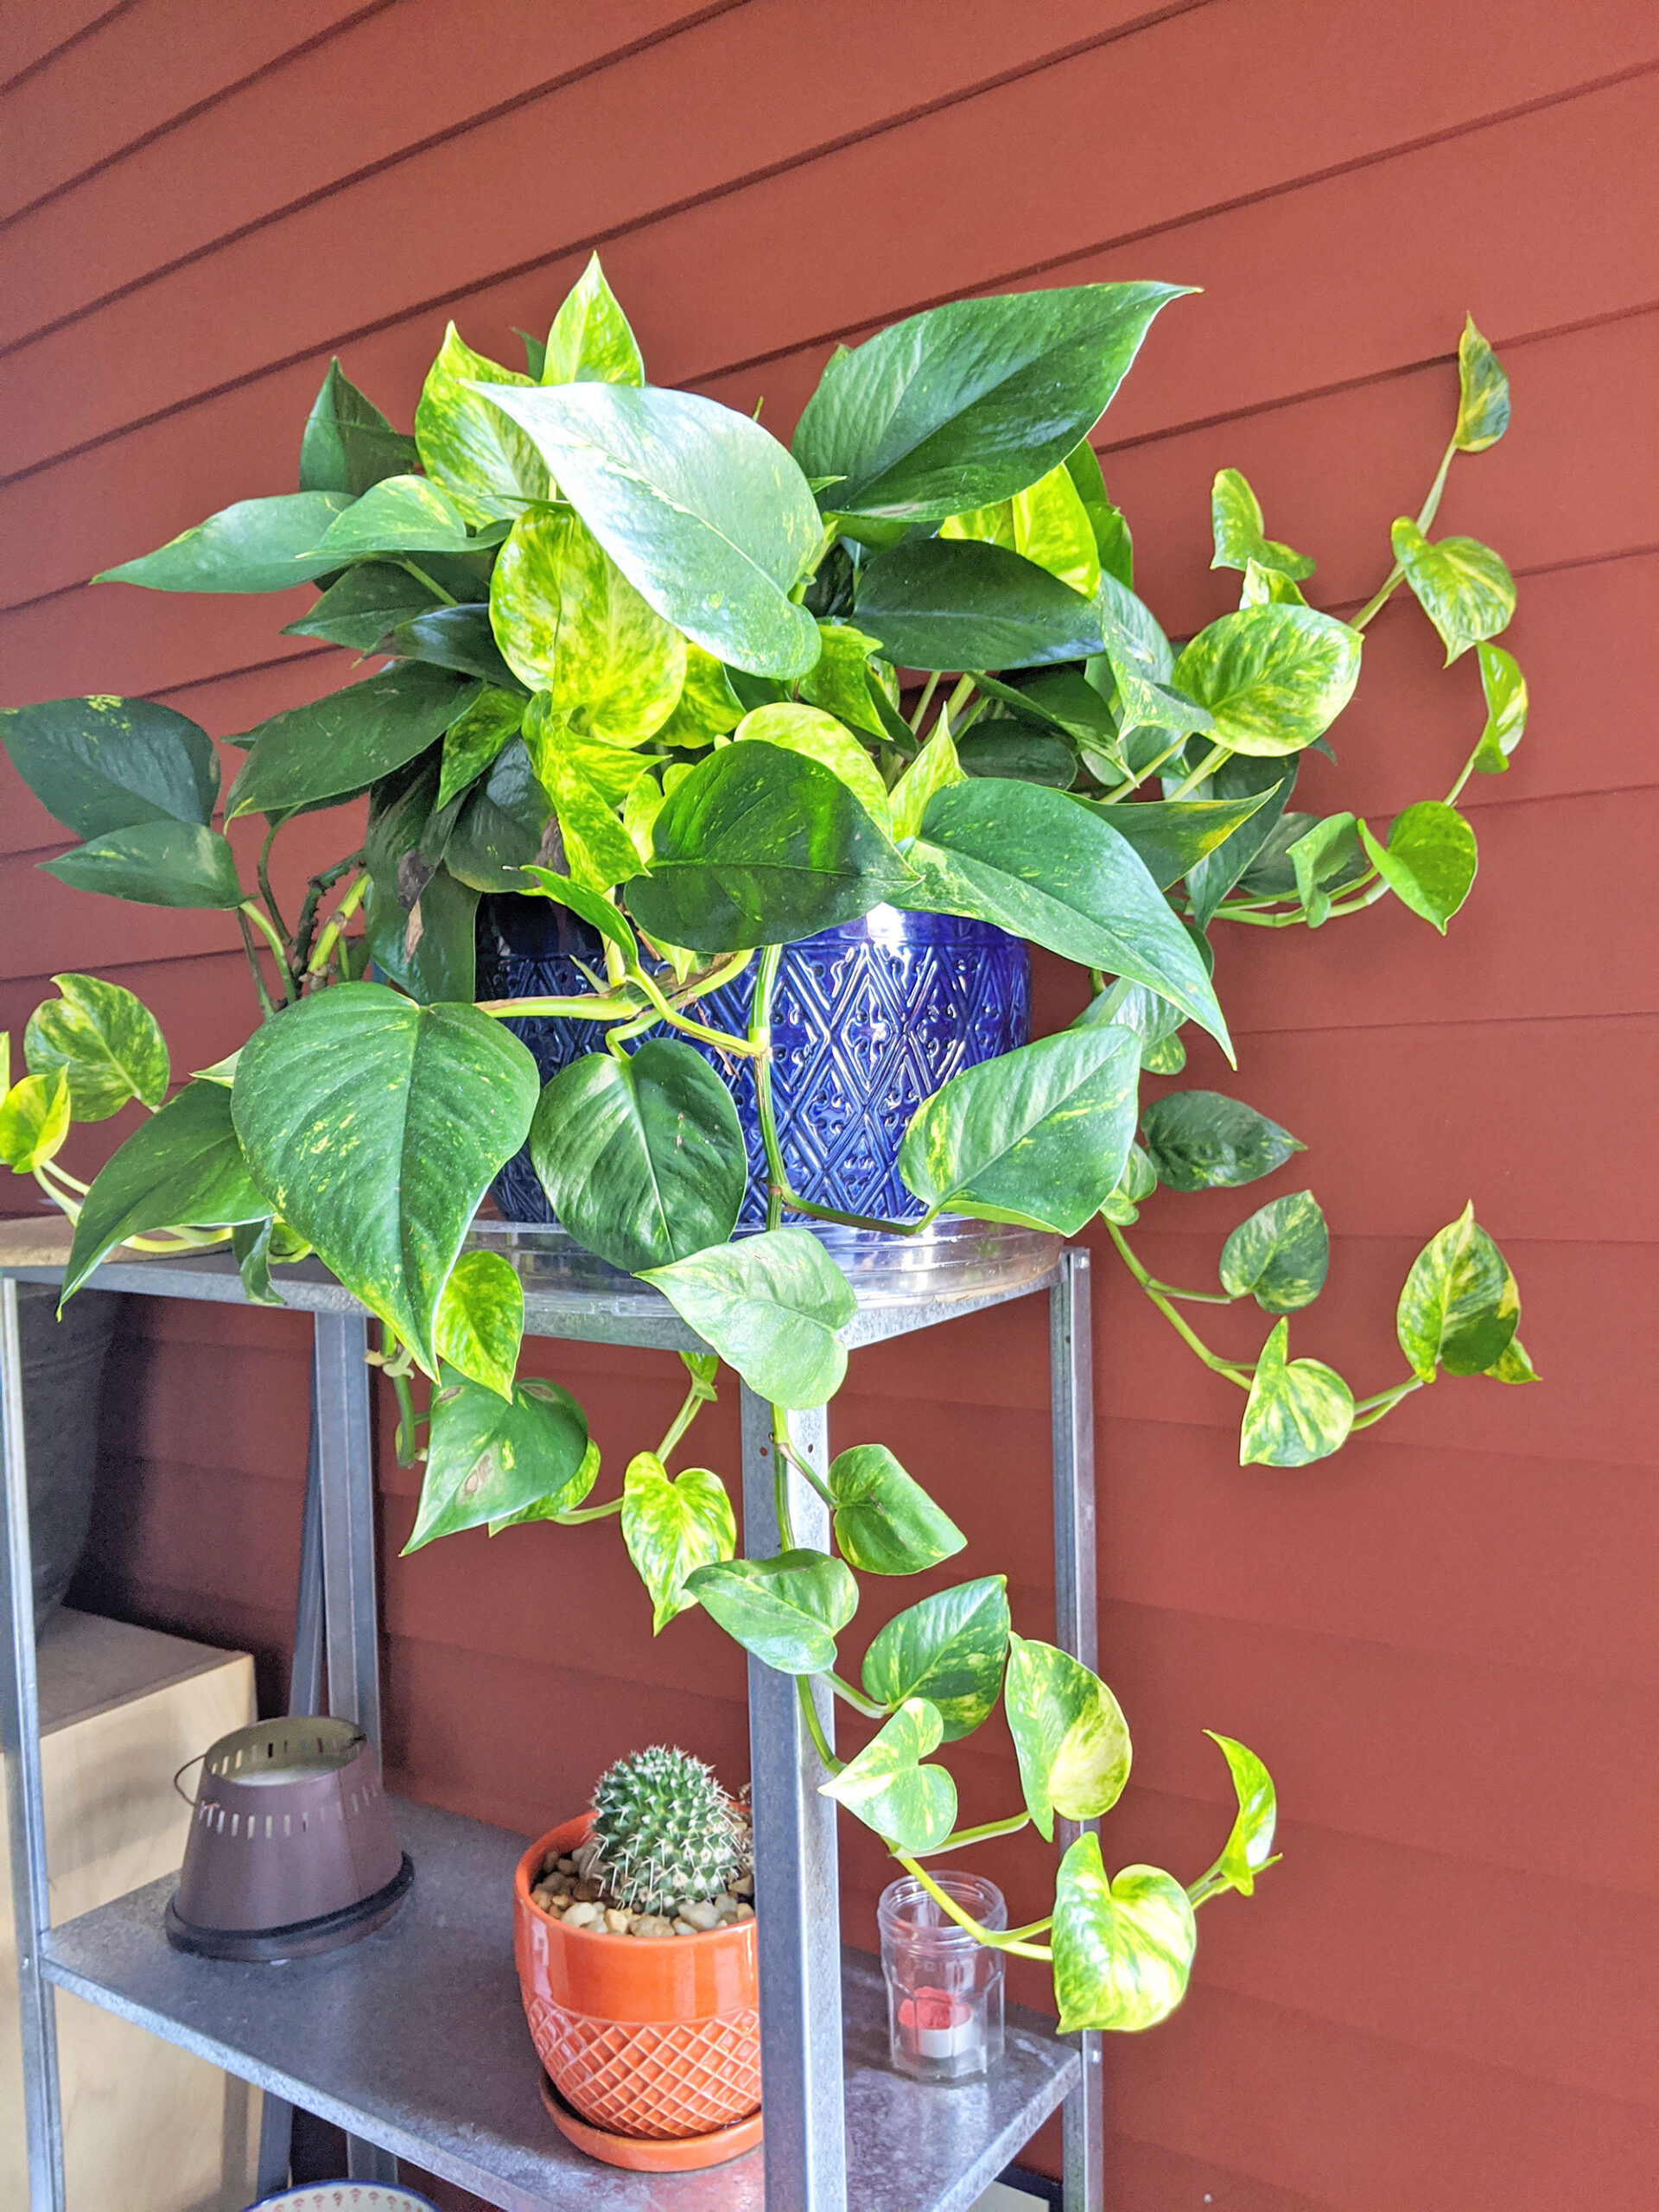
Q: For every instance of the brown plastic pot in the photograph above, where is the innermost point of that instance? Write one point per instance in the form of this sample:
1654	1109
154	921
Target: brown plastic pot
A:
652	2042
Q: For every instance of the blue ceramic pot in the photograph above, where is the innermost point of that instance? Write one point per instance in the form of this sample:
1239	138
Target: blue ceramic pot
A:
868	1019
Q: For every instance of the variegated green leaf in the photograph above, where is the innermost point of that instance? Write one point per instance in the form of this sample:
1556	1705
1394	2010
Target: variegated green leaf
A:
1069	1733
1298	1410
1505	692
491	467
1483	393
672	1525
34	1120
1249	1847
1280	1255
590	341
886	1785
106	1041
1460	1305
1429	860
886	1522
1236	519
572	627
1123	1948
1463	587
949	1649
819	736
488	1460
481	1320
1274	678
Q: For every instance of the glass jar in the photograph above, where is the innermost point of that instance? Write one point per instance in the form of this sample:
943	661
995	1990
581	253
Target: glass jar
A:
944	1990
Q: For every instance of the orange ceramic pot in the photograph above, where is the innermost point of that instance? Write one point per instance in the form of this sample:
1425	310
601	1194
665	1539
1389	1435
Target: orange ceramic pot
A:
652	2041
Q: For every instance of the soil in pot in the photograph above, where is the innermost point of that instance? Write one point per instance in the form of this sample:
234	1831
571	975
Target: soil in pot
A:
868	1019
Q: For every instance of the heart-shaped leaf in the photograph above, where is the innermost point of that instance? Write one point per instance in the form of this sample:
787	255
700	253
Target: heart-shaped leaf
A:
1037	864
376	1126
1123	1949
940	602
1038	1135
154	864
967	403
482	456
1173	835
1236	518
183	1168
257	545
1298	1410
560	1502
404	515
702	511
487	1458
476	739
949	1649
479	1322
1321	858
841	682
886	1522
1460	1306
35	1118
500	828
787	1611
1265	586
1202	1141
106	1041
590	340
1483	393
912	1807
1512	1364
341	744
642	1159
758	846
1429	861
1505	690
1069	1733
1463	587
934	769
1280	1255
348	444
98	764
819	736
1010	746
1249	1847
365	605
572	625
1274	678
672	1525
769	1306
1139	1180
458	638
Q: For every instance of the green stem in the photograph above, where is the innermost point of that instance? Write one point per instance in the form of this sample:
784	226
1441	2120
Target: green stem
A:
263	871
696	1396
761	1040
1234	1371
1122	791
963	1837
262	921
959	698
267	1004
856	1699
574	1009
723	1039
992	1938
1369	1411
1396	576
60	1199
1379	599
1206	767
431	582
580	1513
307	926
1192	1297
318	963
793	1204
808	1474
815	1726
405	1445
924	701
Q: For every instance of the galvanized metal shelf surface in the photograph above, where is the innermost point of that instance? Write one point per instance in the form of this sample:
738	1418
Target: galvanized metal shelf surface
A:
415	2039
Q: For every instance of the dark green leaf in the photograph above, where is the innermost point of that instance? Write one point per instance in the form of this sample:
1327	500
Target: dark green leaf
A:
701	510
1298	1410
156	864
1429	861
1172	835
1274	678
1039	864
404	515
1280	1255
182	1168
1123	1949
458	638
97	765
1200	1141
365	607
1069	1733
672	1526
341	744
487	1458
107	1042
884	1785
951	603
377	1126
348	444
642	1159
967	403
1460	1305
1463	587
1038	1136
250	1243
758	846
1210	879
477	737
769	1306
257	545
819	736
886	1523
949	1649
787	1611
1061	699
499	828
1483	393
1014	748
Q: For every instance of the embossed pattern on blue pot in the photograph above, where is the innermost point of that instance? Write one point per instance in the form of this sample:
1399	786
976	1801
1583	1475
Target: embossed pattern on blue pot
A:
868	1019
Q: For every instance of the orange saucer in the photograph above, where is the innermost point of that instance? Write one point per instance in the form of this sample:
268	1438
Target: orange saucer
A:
649	2155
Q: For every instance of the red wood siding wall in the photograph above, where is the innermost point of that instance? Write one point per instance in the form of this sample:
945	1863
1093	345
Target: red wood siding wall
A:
1443	1642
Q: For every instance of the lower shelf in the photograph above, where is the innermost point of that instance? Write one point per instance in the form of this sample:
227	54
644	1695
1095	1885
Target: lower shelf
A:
415	2039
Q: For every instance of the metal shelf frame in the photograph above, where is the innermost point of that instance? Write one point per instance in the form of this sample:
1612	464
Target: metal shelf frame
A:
833	2111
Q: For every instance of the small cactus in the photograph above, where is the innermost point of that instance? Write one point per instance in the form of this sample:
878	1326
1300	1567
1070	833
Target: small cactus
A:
667	1832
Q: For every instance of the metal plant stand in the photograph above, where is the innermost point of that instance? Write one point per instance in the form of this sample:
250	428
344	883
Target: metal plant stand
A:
413	2040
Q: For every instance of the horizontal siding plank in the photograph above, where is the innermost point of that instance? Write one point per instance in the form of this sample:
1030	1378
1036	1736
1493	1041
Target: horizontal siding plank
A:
242	164
145	65
1357	93
36	30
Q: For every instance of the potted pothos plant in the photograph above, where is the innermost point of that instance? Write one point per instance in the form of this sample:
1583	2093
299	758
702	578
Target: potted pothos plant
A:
661	709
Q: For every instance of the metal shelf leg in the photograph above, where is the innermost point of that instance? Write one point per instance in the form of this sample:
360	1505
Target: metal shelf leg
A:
796	1871
1072	1400
351	1613
19	1739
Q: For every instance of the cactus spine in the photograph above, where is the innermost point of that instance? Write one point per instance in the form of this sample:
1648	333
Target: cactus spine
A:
667	1832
